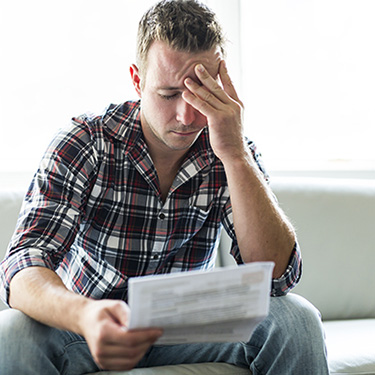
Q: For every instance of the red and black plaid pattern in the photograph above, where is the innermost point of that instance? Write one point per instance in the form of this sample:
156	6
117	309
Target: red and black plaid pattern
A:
94	212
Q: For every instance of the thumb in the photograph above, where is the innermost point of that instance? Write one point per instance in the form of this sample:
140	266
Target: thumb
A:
121	313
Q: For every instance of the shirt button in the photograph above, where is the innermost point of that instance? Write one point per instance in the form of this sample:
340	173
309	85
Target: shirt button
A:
162	216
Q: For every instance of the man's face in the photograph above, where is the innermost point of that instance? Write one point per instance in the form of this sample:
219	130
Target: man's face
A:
168	122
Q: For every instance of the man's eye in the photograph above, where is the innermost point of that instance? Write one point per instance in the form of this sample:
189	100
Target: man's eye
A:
169	97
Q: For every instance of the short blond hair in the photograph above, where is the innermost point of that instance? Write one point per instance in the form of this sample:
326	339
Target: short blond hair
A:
185	25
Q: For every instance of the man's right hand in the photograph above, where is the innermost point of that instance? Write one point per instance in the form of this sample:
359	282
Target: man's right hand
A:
101	322
112	345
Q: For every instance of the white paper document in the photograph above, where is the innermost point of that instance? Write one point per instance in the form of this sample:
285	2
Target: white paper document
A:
223	305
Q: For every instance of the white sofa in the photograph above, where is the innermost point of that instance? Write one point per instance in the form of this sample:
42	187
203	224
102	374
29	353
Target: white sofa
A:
334	219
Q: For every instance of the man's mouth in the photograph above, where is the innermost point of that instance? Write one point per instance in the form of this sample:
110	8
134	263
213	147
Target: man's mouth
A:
185	133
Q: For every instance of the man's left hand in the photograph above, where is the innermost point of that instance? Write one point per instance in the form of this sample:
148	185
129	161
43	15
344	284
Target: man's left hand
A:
222	108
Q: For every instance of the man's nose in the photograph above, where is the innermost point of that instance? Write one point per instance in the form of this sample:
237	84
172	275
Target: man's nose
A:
186	114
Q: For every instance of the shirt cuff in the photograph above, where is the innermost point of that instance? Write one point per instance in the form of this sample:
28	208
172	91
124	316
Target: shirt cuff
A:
14	263
290	278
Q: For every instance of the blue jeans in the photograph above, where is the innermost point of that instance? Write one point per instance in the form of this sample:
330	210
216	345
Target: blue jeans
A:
289	341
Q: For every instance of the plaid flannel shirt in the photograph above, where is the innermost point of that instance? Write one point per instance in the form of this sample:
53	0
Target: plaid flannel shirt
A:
94	213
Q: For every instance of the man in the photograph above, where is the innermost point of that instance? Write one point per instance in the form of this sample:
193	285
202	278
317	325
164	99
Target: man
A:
145	189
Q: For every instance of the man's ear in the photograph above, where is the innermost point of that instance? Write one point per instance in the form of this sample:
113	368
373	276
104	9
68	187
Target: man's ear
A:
136	79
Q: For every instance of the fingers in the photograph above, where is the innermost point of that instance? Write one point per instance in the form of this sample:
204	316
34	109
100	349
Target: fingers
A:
120	313
210	88
227	82
131	338
210	95
200	99
112	345
206	98
123	350
221	107
127	340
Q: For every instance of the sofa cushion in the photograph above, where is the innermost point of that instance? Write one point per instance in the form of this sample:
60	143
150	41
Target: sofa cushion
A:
351	346
191	369
10	204
334	220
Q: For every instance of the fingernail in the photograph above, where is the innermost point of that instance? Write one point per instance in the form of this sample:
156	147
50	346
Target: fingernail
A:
200	68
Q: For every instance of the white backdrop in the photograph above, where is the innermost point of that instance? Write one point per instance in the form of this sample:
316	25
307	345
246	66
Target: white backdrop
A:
304	69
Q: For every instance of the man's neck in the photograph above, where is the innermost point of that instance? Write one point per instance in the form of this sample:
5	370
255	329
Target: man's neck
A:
167	168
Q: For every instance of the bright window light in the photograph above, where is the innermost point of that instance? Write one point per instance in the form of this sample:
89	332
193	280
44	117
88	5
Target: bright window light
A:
308	82
59	60
304	70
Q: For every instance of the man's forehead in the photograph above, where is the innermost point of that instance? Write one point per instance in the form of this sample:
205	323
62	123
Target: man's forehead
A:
170	67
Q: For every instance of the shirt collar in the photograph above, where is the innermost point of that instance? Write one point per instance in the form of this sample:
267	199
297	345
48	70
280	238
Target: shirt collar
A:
123	122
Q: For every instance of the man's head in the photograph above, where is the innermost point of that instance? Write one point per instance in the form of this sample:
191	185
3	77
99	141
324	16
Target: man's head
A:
174	36
184	25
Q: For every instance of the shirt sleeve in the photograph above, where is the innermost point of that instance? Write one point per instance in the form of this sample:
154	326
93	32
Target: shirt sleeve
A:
53	206
290	278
